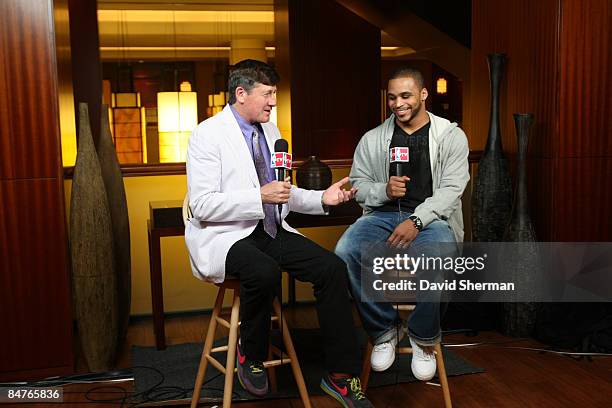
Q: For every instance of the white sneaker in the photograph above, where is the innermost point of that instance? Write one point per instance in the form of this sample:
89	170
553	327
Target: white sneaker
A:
423	364
383	354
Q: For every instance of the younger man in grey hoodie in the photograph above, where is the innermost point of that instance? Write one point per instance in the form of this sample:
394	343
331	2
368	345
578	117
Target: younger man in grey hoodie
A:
419	208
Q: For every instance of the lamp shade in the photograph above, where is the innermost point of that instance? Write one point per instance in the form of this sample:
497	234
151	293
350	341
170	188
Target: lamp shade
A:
177	116
177	111
441	86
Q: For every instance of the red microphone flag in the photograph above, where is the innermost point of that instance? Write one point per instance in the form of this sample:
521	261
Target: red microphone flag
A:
281	160
399	154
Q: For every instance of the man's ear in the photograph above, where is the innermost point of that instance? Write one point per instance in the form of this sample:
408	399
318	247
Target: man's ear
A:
424	94
241	94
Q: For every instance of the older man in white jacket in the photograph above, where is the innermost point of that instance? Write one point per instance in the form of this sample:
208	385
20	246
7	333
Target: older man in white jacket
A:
236	230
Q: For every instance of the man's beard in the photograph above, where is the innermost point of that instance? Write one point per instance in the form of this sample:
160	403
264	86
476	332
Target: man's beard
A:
414	111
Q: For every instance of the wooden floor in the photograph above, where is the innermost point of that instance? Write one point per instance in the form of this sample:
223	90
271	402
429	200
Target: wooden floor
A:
513	377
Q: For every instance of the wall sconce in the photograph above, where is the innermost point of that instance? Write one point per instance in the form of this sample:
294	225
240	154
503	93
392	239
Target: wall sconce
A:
441	86
177	116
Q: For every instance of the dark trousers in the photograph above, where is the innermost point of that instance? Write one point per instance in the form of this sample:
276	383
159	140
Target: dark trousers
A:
257	261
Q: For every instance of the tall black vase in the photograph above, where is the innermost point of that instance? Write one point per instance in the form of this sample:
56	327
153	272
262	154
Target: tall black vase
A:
520	228
491	202
518	318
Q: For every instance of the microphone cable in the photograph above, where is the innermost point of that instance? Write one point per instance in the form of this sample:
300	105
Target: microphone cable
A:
280	145
280	295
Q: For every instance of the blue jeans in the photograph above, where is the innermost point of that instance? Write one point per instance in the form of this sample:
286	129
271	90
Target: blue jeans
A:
380	319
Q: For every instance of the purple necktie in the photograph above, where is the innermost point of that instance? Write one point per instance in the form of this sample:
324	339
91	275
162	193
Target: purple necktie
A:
269	220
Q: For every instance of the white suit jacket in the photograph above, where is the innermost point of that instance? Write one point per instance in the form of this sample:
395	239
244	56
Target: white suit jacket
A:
224	193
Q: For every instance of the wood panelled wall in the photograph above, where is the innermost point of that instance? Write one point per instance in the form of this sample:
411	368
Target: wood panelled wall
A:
35	306
330	57
584	176
558	68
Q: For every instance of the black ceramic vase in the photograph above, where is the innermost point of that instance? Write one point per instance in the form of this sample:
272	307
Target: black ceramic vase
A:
491	202
520	228
314	175
519	317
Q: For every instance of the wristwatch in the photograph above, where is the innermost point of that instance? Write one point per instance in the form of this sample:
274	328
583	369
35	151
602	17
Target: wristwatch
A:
418	224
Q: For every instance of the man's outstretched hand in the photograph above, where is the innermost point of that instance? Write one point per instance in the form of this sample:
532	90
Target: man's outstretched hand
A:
335	194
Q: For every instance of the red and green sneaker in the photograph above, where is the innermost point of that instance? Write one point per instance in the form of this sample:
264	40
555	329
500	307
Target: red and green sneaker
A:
347	391
251	374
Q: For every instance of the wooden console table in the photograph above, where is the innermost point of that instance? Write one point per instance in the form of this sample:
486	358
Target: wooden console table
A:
167	221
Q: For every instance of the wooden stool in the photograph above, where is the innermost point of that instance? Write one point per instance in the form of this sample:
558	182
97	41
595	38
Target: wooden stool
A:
230	348
366	368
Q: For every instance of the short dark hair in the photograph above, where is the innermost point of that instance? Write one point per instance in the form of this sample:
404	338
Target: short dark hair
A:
247	73
409	72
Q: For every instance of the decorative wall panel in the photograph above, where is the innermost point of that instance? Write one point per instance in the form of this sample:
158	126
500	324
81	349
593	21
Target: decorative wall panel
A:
35	305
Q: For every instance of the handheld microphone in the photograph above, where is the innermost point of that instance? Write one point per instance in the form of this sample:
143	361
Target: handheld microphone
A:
281	160
397	156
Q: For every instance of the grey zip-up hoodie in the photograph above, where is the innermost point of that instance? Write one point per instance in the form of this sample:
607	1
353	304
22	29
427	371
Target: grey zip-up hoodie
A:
448	150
